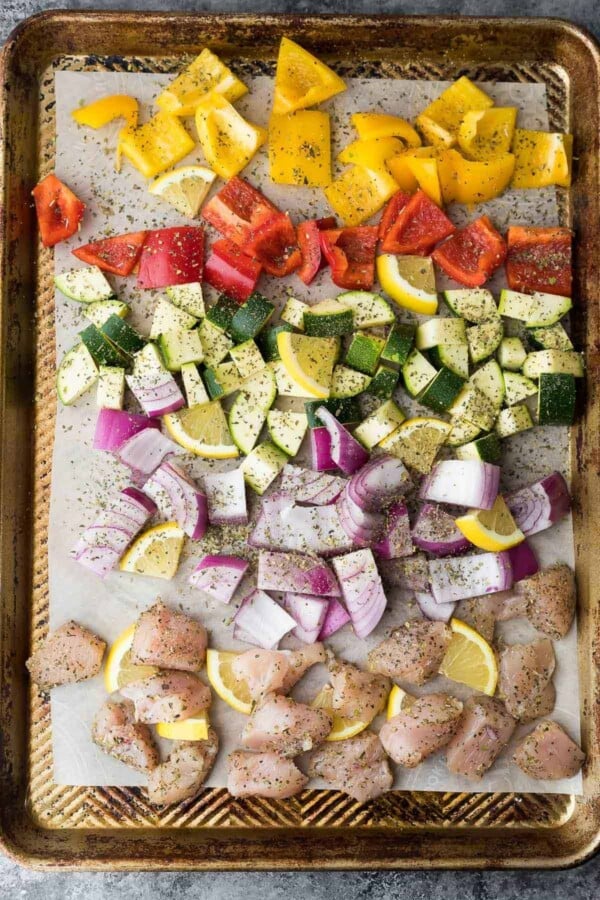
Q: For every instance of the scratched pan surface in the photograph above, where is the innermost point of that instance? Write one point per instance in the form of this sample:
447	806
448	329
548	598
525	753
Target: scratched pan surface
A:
46	825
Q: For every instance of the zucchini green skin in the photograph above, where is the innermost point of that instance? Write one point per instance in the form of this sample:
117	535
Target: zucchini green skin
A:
556	399
267	341
332	324
487	448
364	353
384	383
222	313
441	393
251	318
399	344
102	351
123	335
346	410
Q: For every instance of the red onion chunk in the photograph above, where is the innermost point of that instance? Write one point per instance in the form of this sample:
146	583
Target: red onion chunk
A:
363	527
226	495
268	528
407	574
335	618
397	540
380	482
143	452
346	452
282	525
431	609
435	532
320	448
115	426
302	574
139	498
219	576
469	576
306	486
308	612
262	620
523	561
157	393
538	506
177	497
463	483
362	589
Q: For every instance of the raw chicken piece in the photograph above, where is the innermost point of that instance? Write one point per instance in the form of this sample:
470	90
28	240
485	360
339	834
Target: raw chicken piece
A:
116	732
412	652
167	696
550	596
483	732
284	726
182	775
263	775
549	753
422	729
481	613
357	766
275	671
357	694
168	639
69	654
525	673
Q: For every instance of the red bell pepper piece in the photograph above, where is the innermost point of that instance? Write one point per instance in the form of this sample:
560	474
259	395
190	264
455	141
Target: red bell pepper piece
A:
307	234
59	211
275	247
351	254
539	259
417	226
231	271
391	211
472	254
171	256
117	254
238	211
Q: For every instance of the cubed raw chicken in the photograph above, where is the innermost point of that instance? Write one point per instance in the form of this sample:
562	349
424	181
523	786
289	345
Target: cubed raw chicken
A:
69	654
525	674
168	639
357	766
412	652
423	728
263	775
184	772
481	613
281	725
275	671
548	753
550	596
483	732
167	696
357	694
116	732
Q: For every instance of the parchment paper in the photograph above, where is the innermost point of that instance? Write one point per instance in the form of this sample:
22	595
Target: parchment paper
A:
83	478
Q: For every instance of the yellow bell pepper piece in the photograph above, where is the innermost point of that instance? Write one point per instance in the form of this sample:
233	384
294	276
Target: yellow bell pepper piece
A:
359	193
485	133
439	122
380	125
302	80
371	153
542	158
103	111
159	144
401	170
426	173
205	74
300	148
469	181
228	141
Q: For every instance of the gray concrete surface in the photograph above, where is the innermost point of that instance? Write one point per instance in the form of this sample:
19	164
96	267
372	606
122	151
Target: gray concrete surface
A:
582	883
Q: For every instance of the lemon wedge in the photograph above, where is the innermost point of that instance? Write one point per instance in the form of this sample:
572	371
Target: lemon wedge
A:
202	430
410	281
229	688
470	660
417	441
308	361
155	552
193	729
185	188
118	669
491	529
341	728
397	701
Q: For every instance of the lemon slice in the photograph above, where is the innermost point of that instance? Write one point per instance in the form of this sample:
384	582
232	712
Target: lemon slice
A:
491	529
193	729
341	728
397	701
308	361
229	688
202	430
410	281
155	552
119	670
470	660
184	188
417	441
